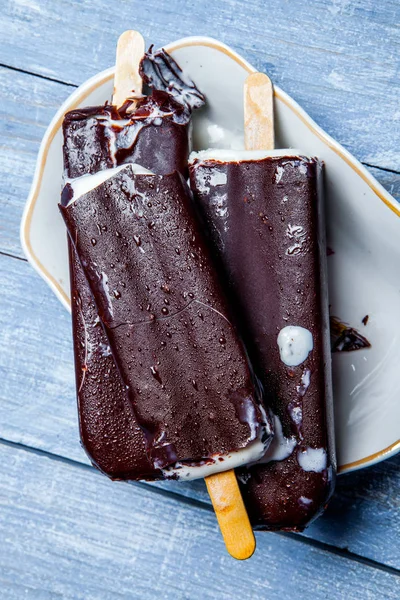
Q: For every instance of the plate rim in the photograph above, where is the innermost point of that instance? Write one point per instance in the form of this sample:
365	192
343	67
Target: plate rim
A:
102	77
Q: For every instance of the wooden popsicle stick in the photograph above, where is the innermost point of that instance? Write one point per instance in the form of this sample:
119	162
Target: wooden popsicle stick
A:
127	80
231	514
258	112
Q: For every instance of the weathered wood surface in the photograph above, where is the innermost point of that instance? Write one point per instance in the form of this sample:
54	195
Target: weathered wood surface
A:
38	411
27	104
66	531
339	59
66	534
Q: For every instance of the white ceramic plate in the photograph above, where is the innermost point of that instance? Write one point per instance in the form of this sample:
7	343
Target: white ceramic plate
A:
363	230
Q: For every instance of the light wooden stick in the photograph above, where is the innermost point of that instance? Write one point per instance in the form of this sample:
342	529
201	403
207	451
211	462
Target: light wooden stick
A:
127	81
258	112
231	514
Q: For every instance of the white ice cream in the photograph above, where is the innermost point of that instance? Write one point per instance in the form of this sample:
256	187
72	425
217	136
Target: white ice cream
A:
281	447
221	462
295	344
239	458
312	459
87	183
230	155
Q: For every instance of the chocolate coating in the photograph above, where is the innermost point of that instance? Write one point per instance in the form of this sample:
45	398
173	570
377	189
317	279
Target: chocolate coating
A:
109	433
166	317
265	219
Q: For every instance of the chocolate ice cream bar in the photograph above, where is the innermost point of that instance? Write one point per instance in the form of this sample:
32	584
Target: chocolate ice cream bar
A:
166	319
264	214
155	133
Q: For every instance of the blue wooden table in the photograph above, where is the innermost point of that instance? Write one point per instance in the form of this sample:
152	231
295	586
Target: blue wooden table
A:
65	530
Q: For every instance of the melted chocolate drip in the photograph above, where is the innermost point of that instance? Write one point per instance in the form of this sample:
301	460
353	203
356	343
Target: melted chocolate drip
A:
159	71
345	338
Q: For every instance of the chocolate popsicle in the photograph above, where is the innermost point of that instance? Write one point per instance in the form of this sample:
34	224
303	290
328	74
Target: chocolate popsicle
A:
109	432
264	214
167	320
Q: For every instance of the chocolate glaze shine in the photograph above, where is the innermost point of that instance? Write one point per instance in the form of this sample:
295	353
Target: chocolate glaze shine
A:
264	217
109	433
165	315
160	71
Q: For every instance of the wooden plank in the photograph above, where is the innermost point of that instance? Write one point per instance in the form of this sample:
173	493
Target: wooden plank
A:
24	118
37	396
69	533
339	59
27	107
364	513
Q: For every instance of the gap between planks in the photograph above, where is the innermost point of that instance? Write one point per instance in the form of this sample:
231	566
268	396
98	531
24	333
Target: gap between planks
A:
39	75
21	258
329	549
